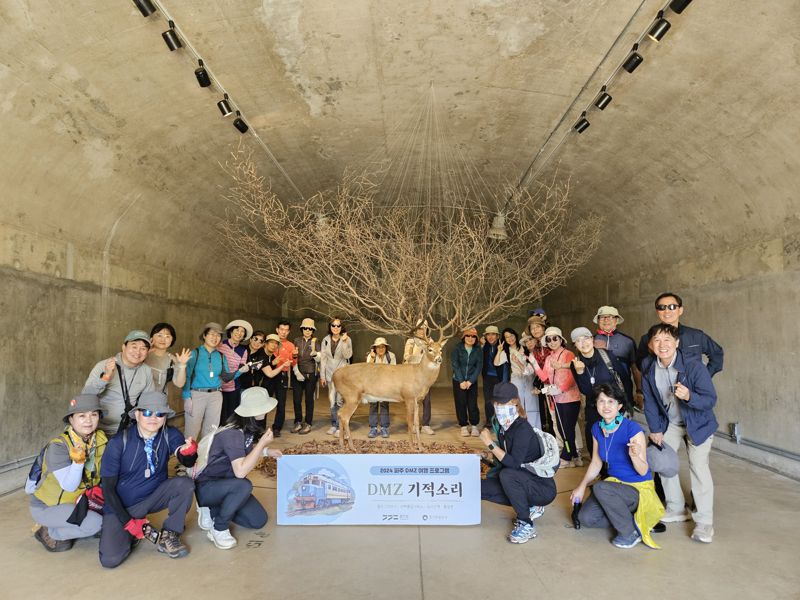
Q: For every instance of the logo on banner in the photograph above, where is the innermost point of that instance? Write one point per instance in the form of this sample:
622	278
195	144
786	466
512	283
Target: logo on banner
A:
322	490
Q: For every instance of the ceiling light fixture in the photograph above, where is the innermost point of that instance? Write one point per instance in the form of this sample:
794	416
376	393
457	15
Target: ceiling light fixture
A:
171	38
202	75
239	123
145	7
659	28
604	99
582	124
224	106
678	6
634	60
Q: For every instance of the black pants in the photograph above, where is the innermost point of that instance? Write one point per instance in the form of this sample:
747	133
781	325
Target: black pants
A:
591	416
566	418
231	500
466	404
309	387
519	489
544	412
489	381
280	396
175	494
230	401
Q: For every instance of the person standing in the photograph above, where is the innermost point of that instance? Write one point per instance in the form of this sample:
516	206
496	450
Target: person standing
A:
166	367
538	353
491	373
380	354
413	352
305	381
287	358
679	401
609	337
257	358
513	353
235	353
119	381
466	361
335	352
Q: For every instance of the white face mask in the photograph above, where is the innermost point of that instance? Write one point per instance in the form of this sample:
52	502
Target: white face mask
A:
506	414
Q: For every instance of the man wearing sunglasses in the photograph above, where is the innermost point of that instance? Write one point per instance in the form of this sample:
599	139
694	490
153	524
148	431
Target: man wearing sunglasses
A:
695	343
135	483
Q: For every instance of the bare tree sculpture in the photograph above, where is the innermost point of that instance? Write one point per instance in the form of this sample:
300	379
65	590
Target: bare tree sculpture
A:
388	264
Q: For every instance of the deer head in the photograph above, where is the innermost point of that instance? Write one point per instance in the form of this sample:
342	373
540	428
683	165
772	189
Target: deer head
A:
433	351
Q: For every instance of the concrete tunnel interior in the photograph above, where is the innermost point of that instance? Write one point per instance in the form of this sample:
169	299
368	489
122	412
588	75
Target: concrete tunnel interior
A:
112	178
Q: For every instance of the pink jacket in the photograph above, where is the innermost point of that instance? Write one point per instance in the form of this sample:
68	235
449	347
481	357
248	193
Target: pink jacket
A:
562	377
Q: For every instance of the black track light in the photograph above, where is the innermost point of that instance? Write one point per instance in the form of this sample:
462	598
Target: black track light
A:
202	75
582	124
678	6
145	7
225	107
634	60
171	38
603	100
659	28
239	123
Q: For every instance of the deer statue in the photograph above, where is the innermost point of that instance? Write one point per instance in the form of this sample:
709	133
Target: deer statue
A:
362	383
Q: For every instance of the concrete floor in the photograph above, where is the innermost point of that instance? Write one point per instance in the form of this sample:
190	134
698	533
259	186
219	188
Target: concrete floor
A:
754	554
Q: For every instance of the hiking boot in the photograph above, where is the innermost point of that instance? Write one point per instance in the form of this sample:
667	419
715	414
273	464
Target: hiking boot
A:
373	432
332	430
536	512
51	545
384	432
703	533
180	471
522	532
204	520
672	516
475	431
305	429
577	461
426	429
627	541
222	539
297	427
465	431
170	544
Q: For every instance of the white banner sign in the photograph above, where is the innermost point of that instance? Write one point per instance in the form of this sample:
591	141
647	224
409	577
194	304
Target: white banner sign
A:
379	489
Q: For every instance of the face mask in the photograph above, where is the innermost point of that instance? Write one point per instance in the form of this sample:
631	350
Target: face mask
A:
506	414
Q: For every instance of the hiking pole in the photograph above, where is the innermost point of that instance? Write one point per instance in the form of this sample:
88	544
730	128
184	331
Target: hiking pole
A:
564	431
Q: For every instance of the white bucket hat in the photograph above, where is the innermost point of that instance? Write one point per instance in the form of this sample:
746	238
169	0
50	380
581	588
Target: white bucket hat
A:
248	329
491	329
608	311
380	341
255	401
308	323
551	331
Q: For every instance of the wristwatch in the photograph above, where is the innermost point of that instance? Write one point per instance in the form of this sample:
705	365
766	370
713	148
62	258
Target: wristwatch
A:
490	446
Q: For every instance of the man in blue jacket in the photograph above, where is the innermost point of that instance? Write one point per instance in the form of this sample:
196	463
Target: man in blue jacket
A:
679	399
694	342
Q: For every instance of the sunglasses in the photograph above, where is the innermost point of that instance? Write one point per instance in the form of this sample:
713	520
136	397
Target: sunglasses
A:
663	307
552	338
336	324
471	336
312	329
150	413
258	340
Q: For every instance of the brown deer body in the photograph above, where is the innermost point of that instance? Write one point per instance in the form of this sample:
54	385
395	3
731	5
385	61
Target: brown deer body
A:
388	383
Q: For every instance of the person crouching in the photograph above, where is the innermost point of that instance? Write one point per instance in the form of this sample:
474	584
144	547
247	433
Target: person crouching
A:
517	444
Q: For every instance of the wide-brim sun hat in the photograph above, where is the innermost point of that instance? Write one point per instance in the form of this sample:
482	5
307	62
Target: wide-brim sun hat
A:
608	311
309	323
491	329
380	341
155	401
469	331
551	331
211	327
255	401
272	337
83	403
248	329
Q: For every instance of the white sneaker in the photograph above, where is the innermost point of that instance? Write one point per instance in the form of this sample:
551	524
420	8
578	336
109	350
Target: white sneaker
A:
332	430
475	431
222	539
675	516
465	431
703	533
204	520
427	430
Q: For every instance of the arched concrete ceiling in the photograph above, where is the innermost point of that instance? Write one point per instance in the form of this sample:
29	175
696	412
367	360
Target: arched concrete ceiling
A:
99	120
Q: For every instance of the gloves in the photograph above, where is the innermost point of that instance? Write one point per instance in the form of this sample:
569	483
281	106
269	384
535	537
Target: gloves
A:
189	449
134	527
297	374
96	499
77	454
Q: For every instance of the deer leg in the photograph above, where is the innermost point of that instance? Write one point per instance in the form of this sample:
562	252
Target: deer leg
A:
345	412
416	425
411	420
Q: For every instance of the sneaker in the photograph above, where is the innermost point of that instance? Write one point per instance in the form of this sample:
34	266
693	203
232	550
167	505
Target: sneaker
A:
522	532
373	432
305	429
675	516
703	533
465	432
475	431
297	427
170	544
627	541
332	430
426	429
51	545
384	432
658	528
204	520
577	461
565	464
222	539
276	433
536	512
335	432
180	471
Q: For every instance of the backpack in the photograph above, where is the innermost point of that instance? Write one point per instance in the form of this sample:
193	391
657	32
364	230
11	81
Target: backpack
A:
547	464
203	450
34	480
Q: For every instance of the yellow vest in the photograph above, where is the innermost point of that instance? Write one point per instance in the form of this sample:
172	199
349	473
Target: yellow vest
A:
51	492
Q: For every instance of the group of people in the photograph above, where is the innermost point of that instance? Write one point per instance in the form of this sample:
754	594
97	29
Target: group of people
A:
665	375
108	470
